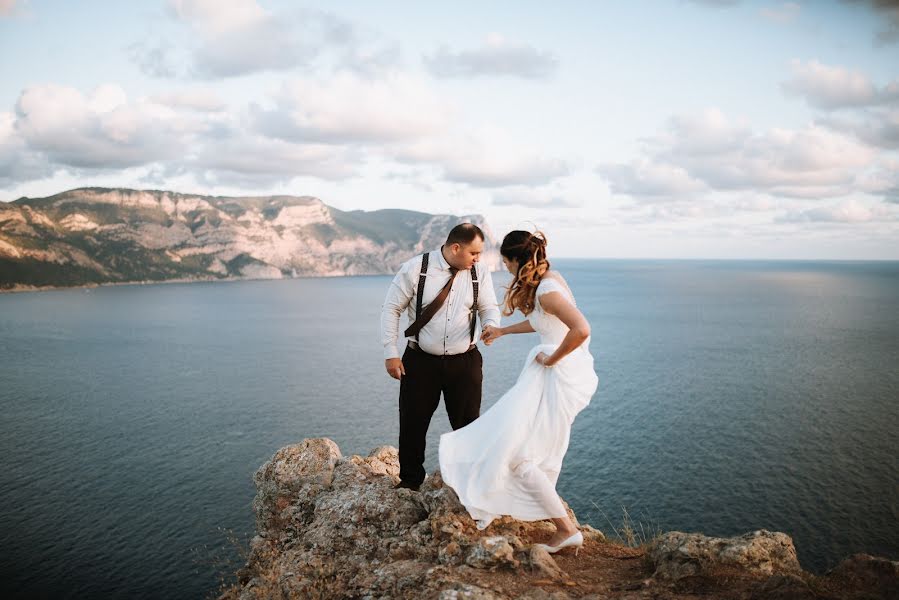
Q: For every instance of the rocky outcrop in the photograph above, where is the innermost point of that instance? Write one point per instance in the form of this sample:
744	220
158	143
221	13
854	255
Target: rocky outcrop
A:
98	235
330	526
677	555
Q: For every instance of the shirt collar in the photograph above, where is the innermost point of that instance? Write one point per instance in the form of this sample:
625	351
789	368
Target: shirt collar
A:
442	261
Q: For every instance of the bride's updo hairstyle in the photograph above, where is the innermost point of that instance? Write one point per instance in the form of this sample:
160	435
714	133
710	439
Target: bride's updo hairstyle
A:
529	249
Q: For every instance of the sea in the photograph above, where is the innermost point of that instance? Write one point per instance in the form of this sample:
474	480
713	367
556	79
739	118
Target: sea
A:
733	396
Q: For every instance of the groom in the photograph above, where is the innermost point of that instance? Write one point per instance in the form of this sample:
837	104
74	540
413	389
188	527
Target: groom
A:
442	292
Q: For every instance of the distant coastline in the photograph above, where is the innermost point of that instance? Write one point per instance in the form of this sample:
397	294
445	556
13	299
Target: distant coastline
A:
22	288
97	236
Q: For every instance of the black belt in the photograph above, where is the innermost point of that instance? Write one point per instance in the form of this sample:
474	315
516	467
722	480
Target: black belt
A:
417	348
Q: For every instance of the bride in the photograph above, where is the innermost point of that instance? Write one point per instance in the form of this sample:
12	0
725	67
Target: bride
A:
507	462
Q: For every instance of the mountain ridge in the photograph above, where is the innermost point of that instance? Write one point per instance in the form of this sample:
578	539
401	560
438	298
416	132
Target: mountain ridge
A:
95	236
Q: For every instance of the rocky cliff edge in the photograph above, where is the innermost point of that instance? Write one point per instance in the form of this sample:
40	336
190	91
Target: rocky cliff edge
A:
330	526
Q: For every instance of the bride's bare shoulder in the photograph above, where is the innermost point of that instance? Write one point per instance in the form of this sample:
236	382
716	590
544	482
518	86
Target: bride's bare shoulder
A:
553	274
556	276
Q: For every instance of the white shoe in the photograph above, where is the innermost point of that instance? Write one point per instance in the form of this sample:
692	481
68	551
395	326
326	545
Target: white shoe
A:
576	540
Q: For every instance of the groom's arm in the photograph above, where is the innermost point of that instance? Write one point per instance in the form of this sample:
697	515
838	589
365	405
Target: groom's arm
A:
399	295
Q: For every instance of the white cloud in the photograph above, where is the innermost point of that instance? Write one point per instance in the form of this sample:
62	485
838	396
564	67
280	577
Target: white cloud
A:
200	99
806	163
754	203
855	105
497	57
17	162
811	162
267	45
106	98
876	126
346	108
215	17
709	132
532	198
488	157
830	87
883	180
850	211
102	130
400	118
502	171
645	179
241	38
670	213
253	161
785	13
326	129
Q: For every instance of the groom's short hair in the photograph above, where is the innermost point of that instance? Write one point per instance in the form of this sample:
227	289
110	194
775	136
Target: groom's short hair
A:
464	233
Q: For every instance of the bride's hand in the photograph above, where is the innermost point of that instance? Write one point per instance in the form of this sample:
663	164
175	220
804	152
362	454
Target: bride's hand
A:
541	359
490	334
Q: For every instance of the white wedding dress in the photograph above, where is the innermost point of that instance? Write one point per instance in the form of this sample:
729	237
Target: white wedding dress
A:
507	461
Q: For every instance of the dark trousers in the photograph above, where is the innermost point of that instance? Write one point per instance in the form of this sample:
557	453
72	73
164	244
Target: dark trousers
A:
459	377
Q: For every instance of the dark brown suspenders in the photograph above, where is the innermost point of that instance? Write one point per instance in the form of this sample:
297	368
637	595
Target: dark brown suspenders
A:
474	304
421	288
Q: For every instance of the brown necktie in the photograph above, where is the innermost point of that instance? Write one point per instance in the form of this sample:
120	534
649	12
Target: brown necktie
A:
428	313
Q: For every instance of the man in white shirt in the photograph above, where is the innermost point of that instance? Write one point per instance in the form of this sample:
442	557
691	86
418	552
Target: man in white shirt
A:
441	353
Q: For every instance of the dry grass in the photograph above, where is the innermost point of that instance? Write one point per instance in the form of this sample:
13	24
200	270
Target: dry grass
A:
634	534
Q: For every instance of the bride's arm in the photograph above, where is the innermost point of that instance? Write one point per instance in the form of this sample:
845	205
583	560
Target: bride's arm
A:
578	328
492	333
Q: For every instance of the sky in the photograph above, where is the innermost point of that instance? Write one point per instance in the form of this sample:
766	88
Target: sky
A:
649	129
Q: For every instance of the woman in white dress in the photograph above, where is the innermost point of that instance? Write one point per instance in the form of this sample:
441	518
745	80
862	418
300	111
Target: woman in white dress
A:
507	461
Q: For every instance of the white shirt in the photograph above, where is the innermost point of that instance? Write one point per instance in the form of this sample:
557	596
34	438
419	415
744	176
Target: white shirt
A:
449	330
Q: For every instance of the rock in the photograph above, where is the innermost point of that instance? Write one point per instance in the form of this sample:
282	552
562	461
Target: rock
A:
869	575
541	594
366	519
397	578
492	552
543	563
676	554
451	554
286	484
466	591
591	534
384	460
333	527
353	470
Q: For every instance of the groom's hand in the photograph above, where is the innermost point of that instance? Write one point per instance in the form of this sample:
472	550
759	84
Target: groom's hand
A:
395	368
490	334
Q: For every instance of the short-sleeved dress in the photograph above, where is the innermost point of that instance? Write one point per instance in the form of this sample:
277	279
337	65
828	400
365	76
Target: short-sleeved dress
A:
531	422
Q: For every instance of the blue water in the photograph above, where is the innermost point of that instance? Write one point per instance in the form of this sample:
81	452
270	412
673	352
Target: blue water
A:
733	396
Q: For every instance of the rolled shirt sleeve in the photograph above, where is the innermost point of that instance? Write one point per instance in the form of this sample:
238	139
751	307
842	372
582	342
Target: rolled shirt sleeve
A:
399	295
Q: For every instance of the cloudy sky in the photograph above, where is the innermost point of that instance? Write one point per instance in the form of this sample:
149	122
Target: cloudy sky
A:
659	128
